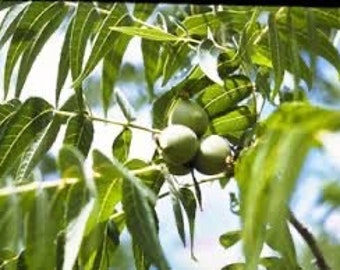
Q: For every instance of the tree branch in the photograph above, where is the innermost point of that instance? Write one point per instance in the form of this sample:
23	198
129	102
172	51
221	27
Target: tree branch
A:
310	240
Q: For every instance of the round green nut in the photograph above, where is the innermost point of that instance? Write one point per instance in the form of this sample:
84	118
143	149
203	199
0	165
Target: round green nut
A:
190	114
211	155
179	144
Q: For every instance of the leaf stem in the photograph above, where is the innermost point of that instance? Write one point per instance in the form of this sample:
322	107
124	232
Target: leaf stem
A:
310	240
113	122
206	180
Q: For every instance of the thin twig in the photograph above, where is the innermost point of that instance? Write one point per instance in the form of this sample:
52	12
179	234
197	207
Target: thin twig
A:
310	240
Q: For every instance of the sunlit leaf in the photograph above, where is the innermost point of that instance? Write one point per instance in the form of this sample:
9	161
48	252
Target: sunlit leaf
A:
34	18
208	60
79	133
155	34
198	24
288	135
216	99
230	238
40	234
31	118
34	49
121	145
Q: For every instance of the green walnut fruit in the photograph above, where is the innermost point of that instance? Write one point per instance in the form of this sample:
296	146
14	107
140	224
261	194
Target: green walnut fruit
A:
211	156
179	144
190	114
178	169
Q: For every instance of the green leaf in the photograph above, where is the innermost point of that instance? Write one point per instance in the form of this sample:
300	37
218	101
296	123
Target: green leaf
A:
277	53
35	47
189	203
143	11
83	22
70	164
199	24
177	59
233	124
208	60
21	130
121	145
79	133
160	109
230	238
216	99
108	189
10	22
287	136
235	266
38	149
34	18
125	106
104	39
152	60
331	193
74	235
176	207
64	62
138	202
141	262
7	110
156	34
40	235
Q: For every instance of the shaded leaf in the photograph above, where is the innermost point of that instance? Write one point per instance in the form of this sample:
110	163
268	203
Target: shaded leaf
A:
7	110
36	46
152	60
143	11
277	53
121	145
176	207
138	202
31	118
125	106
216	99
235	266
189	203
160	109
64	62
233	124
230	238
79	133
34	18
38	149
104	39
74	236
177	59
331	193
10	22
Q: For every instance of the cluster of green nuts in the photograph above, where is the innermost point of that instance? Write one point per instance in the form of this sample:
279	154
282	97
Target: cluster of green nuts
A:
184	145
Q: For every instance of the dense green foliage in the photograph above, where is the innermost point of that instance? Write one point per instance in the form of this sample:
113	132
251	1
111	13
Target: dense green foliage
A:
232	61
